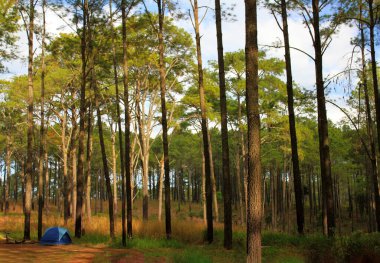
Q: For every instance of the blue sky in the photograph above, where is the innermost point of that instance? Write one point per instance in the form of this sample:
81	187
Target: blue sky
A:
335	58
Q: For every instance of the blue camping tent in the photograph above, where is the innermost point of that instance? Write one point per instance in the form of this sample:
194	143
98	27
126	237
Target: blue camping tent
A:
56	236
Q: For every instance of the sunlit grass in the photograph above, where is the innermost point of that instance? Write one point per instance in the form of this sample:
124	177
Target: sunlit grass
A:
188	238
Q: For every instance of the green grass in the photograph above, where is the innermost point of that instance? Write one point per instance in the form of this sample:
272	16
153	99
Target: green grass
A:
191	255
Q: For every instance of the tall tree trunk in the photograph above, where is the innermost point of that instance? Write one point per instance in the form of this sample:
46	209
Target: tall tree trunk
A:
144	151
114	172
65	190
29	160
254	213
213	182
311	203
42	127
121	148
204	189
238	186
47	183
324	148
206	143
73	156
82	116
127	122
104	155
243	154
161	180
2	196
88	162
224	129
15	188
161	16
7	182
377	105
292	122
273	194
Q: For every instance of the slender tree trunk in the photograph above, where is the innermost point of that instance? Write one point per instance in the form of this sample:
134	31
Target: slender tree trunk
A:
161	16
114	172
127	122
104	156
324	148
88	163
29	160
144	154
377	106
206	143
7	182
243	154
161	180
254	213
15	188
65	190
292	122
238	186
42	128
82	113
121	148
273	199
74	158
213	182
47	183
2	196
204	189
145	185
224	129
311	203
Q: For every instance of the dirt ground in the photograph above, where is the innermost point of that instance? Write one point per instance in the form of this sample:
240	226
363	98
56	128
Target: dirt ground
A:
66	253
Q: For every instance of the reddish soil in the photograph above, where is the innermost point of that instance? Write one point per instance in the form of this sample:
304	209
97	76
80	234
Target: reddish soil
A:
66	253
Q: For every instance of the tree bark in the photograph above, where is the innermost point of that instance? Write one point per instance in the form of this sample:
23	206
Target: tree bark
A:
42	128
213	182
29	160
121	148
254	213
104	156
74	158
377	105
88	160
161	180
292	123
7	182
224	129
127	122
324	148
65	190
238	186
47	183
82	113
114	172
161	16
206	143
143	136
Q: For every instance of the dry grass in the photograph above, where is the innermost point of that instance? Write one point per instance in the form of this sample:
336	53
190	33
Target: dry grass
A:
185	229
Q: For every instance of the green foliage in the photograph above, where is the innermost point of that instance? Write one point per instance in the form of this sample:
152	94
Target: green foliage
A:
9	17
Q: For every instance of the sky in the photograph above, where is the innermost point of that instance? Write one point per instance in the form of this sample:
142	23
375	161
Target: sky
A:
335	59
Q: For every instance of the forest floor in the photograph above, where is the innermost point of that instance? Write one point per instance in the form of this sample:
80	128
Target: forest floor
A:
186	246
67	253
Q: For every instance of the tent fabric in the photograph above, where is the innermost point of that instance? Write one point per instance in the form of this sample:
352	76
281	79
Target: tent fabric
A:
56	236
